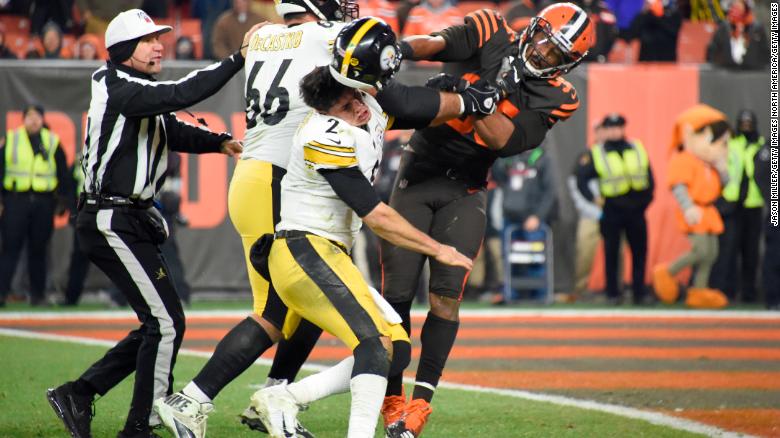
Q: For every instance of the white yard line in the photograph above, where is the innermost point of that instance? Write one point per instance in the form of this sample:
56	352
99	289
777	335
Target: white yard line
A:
622	411
493	313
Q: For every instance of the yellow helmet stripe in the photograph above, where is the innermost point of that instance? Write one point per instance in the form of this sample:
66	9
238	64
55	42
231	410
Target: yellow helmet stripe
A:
354	42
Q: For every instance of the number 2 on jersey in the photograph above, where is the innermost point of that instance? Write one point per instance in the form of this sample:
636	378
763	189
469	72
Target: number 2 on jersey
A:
274	92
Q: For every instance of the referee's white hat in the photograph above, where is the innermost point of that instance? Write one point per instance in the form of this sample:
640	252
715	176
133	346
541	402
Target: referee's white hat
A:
132	24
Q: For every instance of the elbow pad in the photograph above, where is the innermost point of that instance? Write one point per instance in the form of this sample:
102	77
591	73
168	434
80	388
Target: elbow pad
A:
529	133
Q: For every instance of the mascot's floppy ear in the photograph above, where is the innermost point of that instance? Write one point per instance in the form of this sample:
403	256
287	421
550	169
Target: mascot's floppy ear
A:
258	255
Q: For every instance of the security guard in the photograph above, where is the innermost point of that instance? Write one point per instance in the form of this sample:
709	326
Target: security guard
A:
741	206
626	187
131	127
771	266
34	175
79	262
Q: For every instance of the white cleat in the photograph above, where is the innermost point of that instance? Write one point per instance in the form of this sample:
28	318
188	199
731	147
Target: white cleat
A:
277	410
183	415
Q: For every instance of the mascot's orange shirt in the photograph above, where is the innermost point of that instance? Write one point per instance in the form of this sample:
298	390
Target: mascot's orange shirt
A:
704	187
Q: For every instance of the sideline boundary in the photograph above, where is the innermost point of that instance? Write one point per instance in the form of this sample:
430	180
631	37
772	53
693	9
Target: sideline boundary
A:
622	411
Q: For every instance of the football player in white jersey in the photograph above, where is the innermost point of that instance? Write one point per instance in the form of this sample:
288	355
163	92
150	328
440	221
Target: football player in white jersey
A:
325	194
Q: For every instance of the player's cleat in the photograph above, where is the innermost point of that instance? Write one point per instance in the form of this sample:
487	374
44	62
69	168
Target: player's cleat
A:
412	421
251	419
75	411
184	416
277	409
392	408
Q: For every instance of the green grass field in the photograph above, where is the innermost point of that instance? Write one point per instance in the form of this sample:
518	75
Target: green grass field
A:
31	366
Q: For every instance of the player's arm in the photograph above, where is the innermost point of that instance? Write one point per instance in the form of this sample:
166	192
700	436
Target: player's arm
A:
412	107
353	188
510	131
456	43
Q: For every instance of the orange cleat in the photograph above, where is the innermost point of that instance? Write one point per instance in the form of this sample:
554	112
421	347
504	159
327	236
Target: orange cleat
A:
665	286
393	408
412	421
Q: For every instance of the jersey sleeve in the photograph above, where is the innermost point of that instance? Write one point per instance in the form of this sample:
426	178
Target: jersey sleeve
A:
465	40
331	147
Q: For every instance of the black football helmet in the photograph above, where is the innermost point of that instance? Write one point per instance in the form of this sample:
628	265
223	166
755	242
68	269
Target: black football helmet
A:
326	10
365	54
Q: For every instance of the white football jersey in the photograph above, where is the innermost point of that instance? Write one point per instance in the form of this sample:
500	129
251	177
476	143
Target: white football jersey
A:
326	142
277	58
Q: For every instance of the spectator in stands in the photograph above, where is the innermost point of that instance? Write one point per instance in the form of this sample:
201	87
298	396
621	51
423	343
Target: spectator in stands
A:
589	213
207	11
5	52
625	12
230	28
626	189
156	8
382	9
51	47
657	28
527	183
88	47
739	42
430	16
606	28
185	48
519	14
97	13
742	208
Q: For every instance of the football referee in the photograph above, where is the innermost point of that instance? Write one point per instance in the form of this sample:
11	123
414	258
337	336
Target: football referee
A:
130	130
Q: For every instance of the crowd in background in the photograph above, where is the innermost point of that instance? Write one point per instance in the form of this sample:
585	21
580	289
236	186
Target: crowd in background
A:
626	30
522	199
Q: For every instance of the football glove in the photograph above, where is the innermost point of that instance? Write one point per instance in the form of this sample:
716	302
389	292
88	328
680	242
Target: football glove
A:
512	79
447	82
480	98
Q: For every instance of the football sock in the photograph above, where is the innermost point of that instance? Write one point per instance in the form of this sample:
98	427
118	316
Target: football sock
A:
192	390
402	355
334	380
243	344
437	338
367	396
292	353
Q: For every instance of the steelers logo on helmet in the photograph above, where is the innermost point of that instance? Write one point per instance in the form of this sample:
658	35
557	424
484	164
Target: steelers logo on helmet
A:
556	40
365	54
388	59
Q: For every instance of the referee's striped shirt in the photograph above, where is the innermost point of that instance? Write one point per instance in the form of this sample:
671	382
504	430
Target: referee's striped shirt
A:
131	126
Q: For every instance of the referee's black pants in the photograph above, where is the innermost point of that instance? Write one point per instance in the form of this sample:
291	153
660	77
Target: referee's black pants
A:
27	217
613	223
117	241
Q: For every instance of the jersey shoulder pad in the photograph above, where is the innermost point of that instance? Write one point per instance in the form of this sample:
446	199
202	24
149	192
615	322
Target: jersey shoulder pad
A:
488	23
328	143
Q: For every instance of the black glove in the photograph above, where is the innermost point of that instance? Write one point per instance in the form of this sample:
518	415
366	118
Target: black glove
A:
447	82
512	79
480	98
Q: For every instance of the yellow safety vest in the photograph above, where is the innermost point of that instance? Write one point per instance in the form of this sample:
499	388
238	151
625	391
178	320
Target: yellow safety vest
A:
619	173
25	170
740	163
78	176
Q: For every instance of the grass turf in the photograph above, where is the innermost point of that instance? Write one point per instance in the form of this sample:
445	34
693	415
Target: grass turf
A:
30	366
